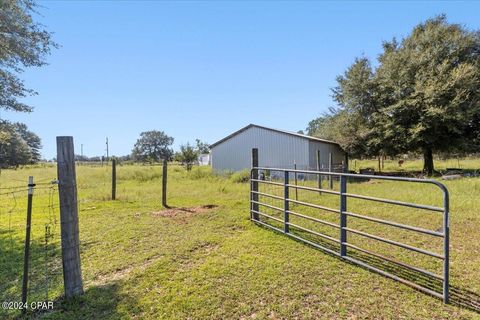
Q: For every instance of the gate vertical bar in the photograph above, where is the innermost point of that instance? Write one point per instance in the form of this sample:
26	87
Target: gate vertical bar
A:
319	176
446	246
343	216
254	195
330	169
286	196
296	180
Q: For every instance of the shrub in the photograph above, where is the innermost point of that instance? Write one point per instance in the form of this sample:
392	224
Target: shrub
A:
176	168
187	156
241	176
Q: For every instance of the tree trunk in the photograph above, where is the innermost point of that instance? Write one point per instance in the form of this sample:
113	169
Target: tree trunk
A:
428	161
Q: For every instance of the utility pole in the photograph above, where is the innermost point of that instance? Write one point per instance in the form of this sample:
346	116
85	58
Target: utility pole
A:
107	149
81	149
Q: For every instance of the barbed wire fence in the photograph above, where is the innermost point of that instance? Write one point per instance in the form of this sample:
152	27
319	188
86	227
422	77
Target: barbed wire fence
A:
31	266
31	234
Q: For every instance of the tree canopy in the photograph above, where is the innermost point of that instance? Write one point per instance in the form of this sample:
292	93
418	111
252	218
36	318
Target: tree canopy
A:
18	145
202	147
153	146
422	96
23	43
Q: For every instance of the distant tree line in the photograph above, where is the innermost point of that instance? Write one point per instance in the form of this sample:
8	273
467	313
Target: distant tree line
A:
422	96
153	147
101	158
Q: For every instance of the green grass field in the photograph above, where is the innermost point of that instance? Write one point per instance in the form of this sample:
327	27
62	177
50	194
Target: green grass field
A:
209	261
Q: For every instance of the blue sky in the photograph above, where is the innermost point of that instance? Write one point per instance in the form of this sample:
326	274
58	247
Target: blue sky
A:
203	69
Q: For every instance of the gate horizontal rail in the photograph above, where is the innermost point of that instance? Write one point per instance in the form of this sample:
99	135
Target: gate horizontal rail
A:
342	212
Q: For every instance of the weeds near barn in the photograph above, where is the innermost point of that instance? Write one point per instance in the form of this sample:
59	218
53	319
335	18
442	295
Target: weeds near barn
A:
214	263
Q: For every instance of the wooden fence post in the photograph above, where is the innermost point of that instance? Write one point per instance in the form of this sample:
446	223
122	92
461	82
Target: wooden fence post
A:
67	191
27	243
254	186
114	179
164	183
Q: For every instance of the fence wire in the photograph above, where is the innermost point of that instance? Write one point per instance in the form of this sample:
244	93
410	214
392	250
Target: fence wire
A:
45	265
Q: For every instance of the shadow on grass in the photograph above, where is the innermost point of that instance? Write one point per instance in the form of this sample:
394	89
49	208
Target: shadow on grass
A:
45	275
459	297
98	302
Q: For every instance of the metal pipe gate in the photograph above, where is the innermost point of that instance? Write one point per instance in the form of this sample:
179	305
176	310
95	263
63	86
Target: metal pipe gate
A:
256	212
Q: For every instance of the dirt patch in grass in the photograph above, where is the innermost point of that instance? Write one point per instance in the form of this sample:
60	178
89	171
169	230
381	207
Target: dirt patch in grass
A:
123	273
204	247
183	212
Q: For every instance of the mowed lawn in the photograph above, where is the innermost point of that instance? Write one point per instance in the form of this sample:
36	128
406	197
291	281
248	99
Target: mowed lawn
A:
205	259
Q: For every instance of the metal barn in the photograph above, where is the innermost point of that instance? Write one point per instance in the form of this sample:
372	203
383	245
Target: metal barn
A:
276	148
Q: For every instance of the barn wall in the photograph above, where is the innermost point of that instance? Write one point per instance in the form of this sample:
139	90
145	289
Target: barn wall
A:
275	149
338	155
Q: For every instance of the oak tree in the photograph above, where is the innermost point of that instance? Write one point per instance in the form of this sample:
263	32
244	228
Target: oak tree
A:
153	146
422	96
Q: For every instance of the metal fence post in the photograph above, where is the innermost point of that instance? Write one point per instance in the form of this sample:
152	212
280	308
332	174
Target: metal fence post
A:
254	185
164	183
343	216
286	196
67	192
330	169
446	246
27	242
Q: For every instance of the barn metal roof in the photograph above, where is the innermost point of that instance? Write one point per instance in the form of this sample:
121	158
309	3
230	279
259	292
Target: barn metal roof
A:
274	130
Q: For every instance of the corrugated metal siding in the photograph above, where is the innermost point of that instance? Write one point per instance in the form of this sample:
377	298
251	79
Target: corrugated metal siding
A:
274	150
338	155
